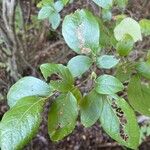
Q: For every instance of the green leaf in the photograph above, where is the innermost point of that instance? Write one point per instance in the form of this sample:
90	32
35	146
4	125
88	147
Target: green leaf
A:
143	69
18	20
107	61
45	12
27	86
119	122
58	6
79	65
128	26
20	124
65	1
55	20
106	14
107	39
138	96
119	18
124	72
45	3
107	84
66	80
50	12
62	116
91	107
104	3
145	26
78	30
125	46
77	94
121	3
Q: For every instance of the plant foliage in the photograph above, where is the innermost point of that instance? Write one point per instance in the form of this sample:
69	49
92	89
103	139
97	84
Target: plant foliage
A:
89	36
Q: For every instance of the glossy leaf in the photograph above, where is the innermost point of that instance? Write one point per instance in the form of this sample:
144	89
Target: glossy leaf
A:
107	84
91	107
107	61
104	3
138	96
79	65
125	46
55	20
145	26
66	80
62	116
119	122
27	86
51	13
128	26
78	30
58	5
45	12
20	124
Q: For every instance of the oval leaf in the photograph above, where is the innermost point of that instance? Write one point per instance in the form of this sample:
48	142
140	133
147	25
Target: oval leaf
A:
107	84
62	116
91	107
20	124
27	86
119	122
128	26
138	96
107	61
55	20
78	30
79	65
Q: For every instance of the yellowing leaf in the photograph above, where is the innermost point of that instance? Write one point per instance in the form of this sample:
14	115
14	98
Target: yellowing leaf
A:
128	26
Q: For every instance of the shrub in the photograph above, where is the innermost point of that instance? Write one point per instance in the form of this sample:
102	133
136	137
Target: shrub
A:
90	37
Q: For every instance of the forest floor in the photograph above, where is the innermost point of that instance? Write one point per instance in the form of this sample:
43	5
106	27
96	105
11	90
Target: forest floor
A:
55	50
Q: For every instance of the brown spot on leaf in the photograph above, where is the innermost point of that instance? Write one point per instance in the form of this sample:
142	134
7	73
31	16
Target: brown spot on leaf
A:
122	119
81	40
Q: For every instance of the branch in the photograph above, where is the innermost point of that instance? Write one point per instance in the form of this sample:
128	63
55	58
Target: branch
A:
5	36
8	15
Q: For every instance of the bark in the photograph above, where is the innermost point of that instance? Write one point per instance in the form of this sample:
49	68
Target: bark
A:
14	44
